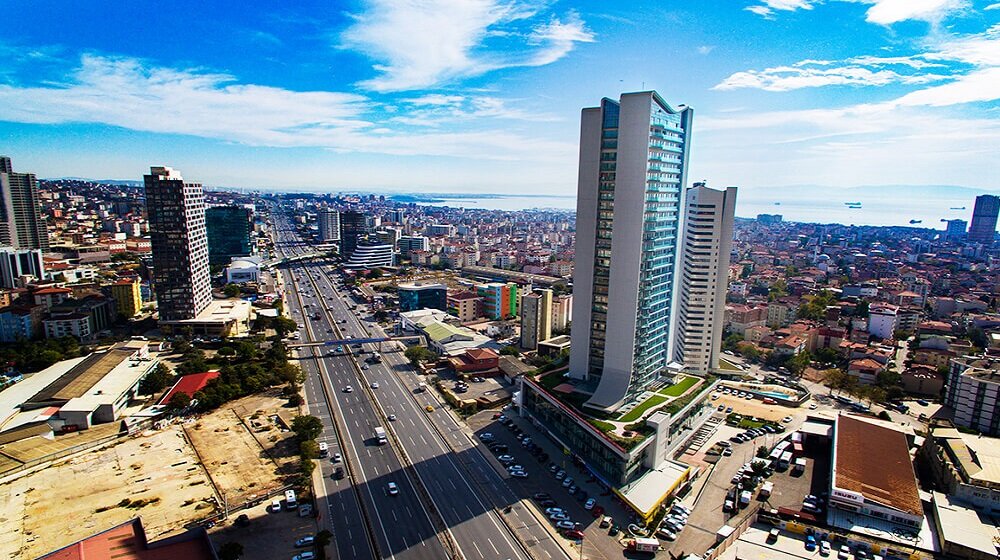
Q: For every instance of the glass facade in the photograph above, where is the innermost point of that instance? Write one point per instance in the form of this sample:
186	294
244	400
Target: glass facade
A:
423	297
229	230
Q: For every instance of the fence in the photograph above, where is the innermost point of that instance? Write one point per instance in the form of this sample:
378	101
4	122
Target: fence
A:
720	547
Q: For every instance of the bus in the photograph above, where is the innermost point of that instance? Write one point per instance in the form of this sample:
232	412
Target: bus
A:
290	502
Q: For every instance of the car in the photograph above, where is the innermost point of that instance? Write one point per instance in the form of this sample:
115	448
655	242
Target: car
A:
844	553
598	511
392	417
727	452
810	543
364	366
567	482
541	496
339	473
304	556
519	474
551	510
721	407
922	402
393	489
512	468
613	531
716	396
548	502
486	436
729	409
499	416
526	441
824	548
305	541
813	406
374	384
787	419
590	504
337	457
749	397
566	524
572	489
429	408
666	534
574	534
561	474
557	517
243	520
506	459
348	389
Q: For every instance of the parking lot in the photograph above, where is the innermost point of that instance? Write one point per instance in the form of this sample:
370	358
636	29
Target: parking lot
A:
597	542
268	534
708	515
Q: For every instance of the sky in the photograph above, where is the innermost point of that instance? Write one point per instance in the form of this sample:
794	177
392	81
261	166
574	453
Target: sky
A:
485	95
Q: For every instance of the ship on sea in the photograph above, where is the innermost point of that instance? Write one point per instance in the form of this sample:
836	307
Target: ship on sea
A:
957	208
915	221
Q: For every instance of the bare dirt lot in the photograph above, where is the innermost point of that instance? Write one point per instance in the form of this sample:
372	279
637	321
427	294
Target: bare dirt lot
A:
155	475
244	447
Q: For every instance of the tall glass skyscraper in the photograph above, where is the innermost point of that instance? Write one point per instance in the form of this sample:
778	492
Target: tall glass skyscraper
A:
229	230
633	162
984	219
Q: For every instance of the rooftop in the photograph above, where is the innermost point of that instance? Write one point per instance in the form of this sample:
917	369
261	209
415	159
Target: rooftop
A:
978	458
128	542
964	526
90	374
874	461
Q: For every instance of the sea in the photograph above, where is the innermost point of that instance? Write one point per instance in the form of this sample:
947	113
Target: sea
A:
878	207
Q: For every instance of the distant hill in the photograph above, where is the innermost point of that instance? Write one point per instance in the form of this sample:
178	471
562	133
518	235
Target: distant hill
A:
121	182
852	193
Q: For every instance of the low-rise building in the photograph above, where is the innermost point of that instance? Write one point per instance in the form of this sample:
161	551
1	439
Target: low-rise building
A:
222	317
872	477
128	296
21	322
965	466
420	295
477	361
243	270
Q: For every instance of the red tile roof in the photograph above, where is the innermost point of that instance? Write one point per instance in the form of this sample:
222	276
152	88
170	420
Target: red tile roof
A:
874	461
128	542
190	384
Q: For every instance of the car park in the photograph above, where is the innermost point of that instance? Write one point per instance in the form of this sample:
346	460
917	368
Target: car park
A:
305	541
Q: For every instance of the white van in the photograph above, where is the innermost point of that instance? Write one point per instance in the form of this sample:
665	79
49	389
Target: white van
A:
324	449
275	505
290	502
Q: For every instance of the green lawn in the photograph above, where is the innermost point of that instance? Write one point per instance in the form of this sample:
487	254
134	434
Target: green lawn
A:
678	389
637	412
605	427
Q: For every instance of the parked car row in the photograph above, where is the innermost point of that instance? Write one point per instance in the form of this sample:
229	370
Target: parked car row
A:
558	516
674	522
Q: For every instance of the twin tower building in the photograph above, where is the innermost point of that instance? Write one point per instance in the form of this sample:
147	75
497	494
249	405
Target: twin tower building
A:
652	258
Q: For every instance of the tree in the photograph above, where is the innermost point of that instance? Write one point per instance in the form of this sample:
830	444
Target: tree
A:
181	345
284	325
731	342
323	539
417	354
861	310
231	291
510	350
226	352
230	551
307	427
777	290
799	362
762	451
179	401
155	381
309	449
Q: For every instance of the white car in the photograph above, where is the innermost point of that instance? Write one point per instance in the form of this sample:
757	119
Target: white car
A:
589	505
519	474
566	524
567	482
560	516
551	510
374	384
393	489
348	389
787	419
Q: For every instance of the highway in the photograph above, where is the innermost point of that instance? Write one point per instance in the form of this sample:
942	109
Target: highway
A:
463	491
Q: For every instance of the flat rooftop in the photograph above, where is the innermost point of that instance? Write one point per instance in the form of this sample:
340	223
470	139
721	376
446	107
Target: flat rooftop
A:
964	526
646	493
977	457
82	378
874	461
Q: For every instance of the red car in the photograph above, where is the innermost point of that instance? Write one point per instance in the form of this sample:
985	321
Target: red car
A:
496	416
574	534
597	511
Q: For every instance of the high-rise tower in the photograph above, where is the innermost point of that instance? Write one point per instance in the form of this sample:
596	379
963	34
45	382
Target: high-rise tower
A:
180	248
984	219
21	222
633	162
329	225
707	242
353	226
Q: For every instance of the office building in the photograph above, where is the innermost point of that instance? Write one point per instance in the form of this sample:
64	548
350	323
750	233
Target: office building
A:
128	296
353	226
708	240
368	254
499	300
229	230
972	391
180	248
387	235
18	264
409	243
536	318
984	219
21	222
633	162
418	295
955	229
329	225
959	464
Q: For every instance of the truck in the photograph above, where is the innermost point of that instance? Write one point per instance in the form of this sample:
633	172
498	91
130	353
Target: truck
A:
380	435
785	460
766	489
800	465
641	544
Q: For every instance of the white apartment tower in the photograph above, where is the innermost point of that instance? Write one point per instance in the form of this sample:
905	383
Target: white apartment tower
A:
180	246
707	242
329	225
633	164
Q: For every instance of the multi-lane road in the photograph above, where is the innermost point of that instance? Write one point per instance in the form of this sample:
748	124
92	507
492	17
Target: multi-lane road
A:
451	502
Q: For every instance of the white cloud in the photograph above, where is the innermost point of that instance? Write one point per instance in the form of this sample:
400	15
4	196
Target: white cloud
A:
887	12
786	78
762	11
993	7
977	86
127	93
420	44
767	7
705	49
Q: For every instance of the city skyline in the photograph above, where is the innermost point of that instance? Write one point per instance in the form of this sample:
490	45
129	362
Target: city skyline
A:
353	97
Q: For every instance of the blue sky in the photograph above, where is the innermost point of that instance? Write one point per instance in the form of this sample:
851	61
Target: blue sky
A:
484	95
